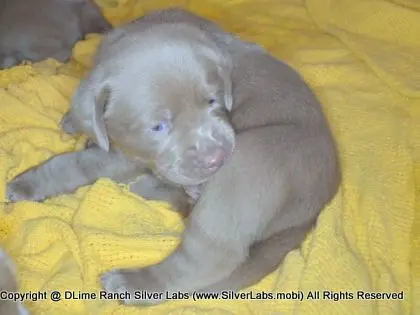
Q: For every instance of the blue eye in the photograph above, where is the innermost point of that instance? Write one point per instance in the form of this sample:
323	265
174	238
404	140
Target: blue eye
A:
160	126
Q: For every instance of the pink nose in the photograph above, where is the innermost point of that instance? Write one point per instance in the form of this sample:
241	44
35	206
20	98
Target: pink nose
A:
214	158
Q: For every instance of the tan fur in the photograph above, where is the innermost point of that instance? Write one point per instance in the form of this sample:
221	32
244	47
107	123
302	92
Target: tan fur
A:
34	30
280	171
8	284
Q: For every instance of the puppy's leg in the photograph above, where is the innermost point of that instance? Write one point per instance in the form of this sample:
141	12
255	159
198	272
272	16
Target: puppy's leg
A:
8	284
150	187
66	172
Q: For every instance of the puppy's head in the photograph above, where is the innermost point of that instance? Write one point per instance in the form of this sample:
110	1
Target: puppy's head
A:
161	96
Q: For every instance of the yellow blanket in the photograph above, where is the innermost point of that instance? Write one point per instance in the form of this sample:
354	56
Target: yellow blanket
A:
362	59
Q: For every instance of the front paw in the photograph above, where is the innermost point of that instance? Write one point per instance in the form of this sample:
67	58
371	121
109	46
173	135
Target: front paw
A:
24	187
134	286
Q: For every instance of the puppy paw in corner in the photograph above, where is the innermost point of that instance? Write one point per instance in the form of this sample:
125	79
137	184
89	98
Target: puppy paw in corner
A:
25	187
8	284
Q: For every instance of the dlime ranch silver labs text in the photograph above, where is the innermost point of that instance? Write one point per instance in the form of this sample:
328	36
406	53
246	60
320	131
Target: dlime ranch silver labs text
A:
223	295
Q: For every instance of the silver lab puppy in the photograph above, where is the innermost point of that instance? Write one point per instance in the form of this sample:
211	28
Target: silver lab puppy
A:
155	105
34	30
8	284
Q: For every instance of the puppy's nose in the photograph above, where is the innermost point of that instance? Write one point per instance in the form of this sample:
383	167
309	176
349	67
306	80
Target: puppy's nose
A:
214	158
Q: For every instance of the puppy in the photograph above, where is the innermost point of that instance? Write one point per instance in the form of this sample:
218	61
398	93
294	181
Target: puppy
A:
8	284
190	113
34	30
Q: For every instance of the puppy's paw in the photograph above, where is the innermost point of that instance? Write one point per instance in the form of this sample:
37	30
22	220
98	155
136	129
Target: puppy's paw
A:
67	124
24	187
134	286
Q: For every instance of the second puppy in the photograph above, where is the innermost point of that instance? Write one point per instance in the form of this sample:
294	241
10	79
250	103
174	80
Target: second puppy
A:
34	30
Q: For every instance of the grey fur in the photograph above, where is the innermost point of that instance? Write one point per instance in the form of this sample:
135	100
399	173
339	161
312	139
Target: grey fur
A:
34	30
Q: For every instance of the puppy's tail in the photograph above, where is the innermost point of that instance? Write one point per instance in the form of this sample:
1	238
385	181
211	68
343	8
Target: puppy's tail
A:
8	283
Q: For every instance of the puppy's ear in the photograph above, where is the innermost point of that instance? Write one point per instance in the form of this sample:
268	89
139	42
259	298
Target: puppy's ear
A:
224	65
225	73
98	122
89	105
227	90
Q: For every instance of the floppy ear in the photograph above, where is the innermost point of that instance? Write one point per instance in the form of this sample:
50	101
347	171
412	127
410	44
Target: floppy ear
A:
223	62
225	73
98	122
88	108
